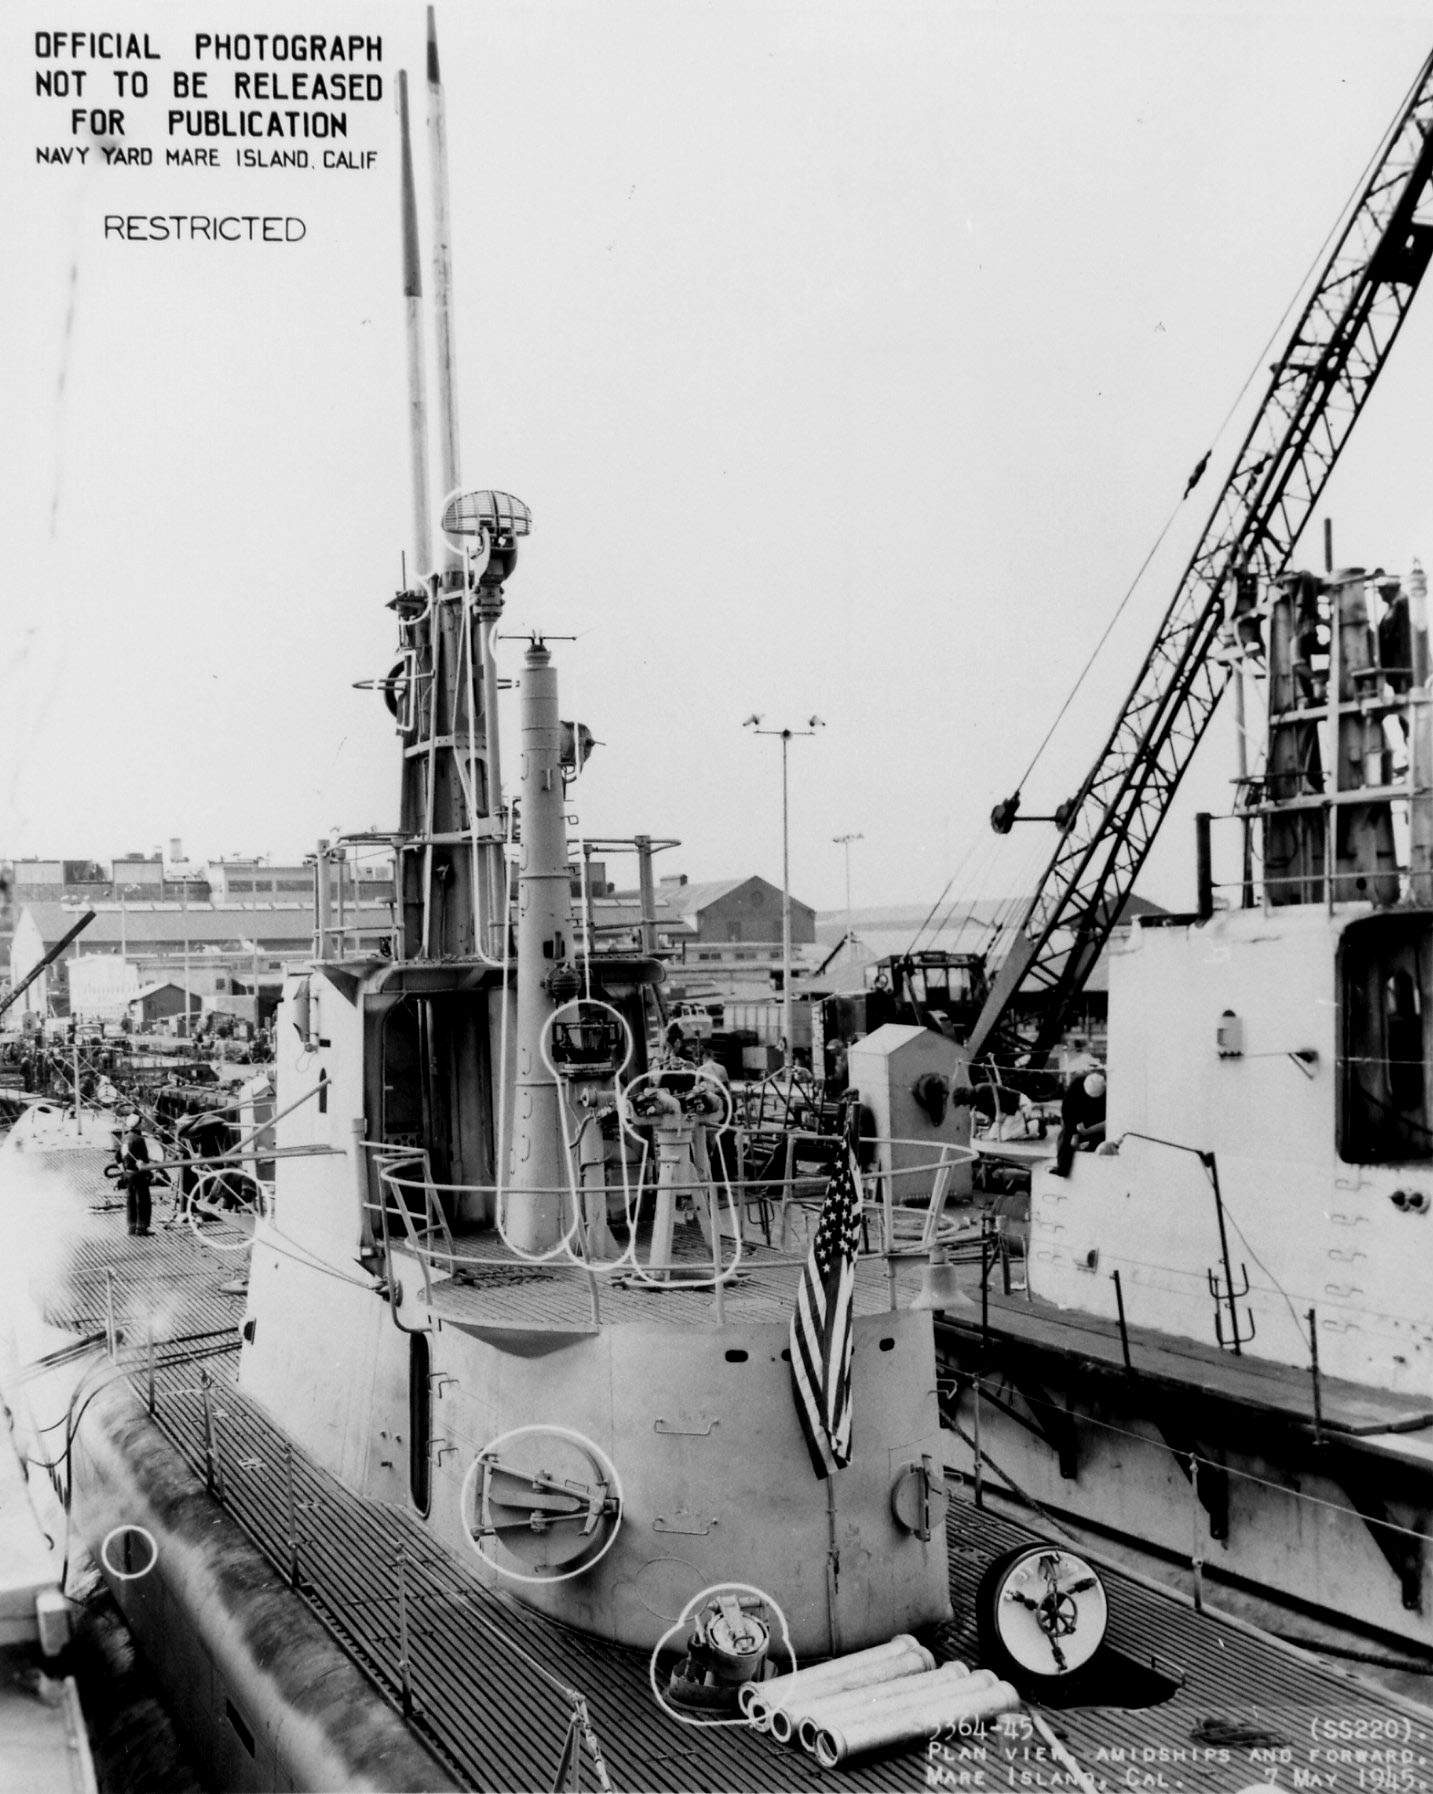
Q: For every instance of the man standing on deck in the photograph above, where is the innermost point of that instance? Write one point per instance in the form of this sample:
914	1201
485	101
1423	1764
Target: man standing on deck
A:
135	1175
1082	1119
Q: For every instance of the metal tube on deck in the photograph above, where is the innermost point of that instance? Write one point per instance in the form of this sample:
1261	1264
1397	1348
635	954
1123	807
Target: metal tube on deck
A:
413	334
806	1719
923	1717
760	1701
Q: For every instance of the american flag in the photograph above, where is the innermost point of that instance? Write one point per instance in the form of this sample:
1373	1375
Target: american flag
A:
821	1331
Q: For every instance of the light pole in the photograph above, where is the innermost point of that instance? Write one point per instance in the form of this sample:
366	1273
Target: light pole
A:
813	723
184	906
845	841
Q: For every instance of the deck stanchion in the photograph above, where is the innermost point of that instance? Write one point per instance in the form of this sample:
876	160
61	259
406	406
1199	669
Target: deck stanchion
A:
111	1332
292	1514
404	1671
208	1432
590	1738
833	1562
1124	1330
219	1414
594	1299
1318	1383
1196	1553
978	1482
149	1331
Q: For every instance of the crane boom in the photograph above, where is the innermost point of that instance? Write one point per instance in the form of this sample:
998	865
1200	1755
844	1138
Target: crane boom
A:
49	959
1319	386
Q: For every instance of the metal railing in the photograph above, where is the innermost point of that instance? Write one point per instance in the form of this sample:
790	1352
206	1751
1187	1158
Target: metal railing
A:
904	1209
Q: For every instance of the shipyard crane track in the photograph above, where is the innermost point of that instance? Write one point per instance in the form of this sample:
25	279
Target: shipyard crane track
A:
1318	389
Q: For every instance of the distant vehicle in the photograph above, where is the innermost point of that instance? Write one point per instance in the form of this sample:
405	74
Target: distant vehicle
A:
694	1020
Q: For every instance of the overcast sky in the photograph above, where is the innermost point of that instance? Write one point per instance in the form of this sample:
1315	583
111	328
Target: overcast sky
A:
851	358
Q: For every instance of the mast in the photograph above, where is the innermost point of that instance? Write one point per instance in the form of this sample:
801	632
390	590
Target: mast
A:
489	879
413	336
452	872
448	475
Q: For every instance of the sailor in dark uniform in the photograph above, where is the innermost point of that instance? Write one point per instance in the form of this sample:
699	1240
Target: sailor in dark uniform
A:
135	1175
1082	1119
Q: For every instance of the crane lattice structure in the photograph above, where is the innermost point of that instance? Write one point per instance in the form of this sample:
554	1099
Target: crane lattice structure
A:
1319	386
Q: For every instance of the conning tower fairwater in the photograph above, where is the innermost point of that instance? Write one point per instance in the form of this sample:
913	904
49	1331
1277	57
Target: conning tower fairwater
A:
509	1283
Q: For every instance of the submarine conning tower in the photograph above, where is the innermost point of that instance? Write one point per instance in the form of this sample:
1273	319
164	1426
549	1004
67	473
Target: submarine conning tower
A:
451	818
500	1334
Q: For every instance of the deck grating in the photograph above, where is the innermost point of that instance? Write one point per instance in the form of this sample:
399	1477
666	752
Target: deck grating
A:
489	1715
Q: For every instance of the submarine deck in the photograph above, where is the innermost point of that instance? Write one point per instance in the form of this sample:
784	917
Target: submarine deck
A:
1185	1697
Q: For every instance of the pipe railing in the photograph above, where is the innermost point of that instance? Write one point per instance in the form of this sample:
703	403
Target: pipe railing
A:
906	1203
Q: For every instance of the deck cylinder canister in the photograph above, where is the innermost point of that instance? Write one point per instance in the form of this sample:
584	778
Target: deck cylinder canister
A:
533	1220
918	1716
804	1720
901	1656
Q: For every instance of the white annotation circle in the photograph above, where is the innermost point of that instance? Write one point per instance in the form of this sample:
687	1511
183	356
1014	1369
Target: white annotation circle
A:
685	1617
122	1532
469	1501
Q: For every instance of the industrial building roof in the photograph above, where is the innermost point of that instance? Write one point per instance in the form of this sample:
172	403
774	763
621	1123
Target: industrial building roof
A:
204	924
690	899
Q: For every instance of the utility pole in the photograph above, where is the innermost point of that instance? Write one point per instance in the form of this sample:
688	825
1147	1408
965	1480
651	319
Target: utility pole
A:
184	907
